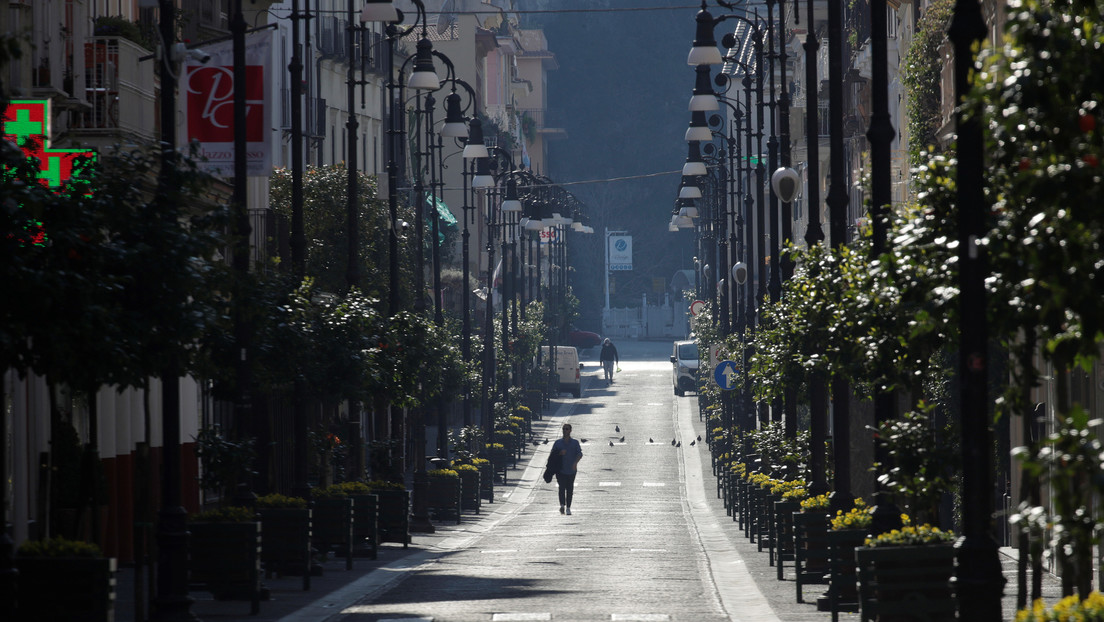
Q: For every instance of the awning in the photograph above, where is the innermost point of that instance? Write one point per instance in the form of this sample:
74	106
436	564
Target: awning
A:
443	213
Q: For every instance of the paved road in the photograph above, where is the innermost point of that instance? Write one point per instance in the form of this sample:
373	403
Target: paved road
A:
633	549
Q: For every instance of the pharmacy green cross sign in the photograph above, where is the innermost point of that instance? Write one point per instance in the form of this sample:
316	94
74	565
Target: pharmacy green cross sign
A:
26	122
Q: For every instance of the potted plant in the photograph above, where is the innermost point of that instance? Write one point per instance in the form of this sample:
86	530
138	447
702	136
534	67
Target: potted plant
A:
61	579
394	511
365	518
1069	608
224	554
469	486
444	492
792	492
847	532
811	557
907	572
286	533
332	522
499	457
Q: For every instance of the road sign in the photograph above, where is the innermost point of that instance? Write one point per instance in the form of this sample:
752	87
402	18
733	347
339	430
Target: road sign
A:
696	307
725	375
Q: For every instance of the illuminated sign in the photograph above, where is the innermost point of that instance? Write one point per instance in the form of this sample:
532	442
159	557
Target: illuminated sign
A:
26	123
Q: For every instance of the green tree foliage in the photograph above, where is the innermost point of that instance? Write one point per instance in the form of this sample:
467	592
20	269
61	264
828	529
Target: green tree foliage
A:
922	67
1038	97
325	189
123	277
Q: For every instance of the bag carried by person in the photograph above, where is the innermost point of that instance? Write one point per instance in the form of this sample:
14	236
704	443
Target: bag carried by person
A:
553	466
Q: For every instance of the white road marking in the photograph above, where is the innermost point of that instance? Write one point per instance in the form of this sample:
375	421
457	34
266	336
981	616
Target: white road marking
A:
654	484
520	617
605	484
576	550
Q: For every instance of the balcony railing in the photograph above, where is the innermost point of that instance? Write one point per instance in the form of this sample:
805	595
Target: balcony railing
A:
118	88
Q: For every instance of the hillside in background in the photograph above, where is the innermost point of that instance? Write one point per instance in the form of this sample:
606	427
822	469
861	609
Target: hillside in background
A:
621	93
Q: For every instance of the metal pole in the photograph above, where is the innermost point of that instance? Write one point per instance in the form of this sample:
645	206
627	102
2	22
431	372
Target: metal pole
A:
814	235
837	208
172	603
465	329
298	250
352	268
887	516
979	572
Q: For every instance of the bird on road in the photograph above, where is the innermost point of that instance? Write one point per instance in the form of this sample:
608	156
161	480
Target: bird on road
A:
699	437
535	443
679	444
672	441
545	442
617	429
622	440
611	443
583	440
650	440
692	443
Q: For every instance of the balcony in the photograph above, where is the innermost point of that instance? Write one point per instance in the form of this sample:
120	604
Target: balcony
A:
119	90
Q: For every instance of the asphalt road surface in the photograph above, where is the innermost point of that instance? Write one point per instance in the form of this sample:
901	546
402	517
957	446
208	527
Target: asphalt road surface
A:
635	546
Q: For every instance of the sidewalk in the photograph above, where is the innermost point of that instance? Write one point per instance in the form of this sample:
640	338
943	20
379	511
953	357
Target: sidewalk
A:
338	587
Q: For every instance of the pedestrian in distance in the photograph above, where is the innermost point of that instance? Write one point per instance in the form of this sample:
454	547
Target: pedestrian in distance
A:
608	358
570	453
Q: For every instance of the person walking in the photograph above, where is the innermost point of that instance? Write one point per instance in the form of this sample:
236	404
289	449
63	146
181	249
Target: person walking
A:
570	452
608	358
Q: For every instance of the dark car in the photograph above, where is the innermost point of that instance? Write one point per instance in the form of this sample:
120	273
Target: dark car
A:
583	339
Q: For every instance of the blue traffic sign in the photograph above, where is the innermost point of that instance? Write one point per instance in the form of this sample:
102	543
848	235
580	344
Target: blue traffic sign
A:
725	375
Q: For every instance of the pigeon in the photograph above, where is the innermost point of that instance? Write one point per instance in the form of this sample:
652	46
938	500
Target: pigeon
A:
545	442
582	440
679	444
617	429
692	443
622	440
672	441
650	440
535	443
611	443
699	437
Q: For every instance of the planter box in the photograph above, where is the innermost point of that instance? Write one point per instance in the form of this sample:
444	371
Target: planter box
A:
810	550
365	525
286	542
470	490
394	516
486	482
225	560
905	583
76	589
784	532
500	461
843	593
443	497
332	528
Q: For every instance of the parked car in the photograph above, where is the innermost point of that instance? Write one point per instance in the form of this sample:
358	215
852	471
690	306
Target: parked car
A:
567	368
684	366
583	339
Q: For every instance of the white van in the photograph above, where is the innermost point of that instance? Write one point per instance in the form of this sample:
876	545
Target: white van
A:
567	368
684	364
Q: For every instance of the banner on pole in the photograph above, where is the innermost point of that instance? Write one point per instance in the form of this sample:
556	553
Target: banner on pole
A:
620	252
209	106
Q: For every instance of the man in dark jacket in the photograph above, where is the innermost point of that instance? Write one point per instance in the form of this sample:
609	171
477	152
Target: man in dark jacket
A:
608	358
